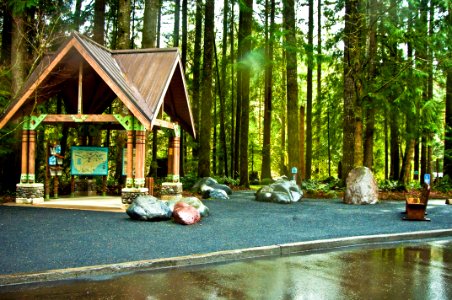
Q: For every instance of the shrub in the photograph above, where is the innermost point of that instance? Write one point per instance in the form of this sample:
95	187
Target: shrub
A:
267	181
443	184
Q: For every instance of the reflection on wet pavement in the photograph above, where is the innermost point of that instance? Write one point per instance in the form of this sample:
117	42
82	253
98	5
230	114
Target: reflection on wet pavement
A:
421	270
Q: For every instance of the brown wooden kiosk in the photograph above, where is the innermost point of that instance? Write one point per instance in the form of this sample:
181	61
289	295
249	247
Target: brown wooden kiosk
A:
89	77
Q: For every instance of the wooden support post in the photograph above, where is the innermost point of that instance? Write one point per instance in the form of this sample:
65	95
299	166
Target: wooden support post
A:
140	144
47	175
80	89
31	155
150	185
24	161
72	186
176	160
104	185
129	167
173	159
55	186
170	159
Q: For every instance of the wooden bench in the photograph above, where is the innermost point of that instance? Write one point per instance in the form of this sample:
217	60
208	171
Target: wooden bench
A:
415	208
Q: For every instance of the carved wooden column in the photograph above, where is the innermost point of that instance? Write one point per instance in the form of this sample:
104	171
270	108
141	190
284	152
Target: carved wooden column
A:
140	145
129	166
27	190
173	188
174	159
24	160
31	155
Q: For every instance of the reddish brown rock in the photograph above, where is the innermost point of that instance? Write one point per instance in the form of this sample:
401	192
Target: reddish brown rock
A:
185	214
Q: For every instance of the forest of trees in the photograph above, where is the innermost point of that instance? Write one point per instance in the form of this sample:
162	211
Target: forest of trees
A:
320	85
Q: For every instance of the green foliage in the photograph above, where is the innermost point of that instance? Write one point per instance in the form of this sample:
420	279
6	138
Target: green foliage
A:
390	185
227	180
443	184
324	186
188	181
267	181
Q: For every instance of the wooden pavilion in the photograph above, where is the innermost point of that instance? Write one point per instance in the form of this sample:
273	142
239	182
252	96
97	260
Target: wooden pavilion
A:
88	78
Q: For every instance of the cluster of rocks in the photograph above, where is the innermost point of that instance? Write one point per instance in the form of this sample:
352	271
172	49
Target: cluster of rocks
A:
184	211
281	191
209	188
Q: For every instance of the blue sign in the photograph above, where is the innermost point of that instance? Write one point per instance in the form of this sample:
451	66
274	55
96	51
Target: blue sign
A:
52	161
427	178
294	170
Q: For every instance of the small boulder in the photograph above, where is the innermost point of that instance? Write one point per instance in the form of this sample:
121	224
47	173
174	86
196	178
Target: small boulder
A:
148	208
185	214
222	187
208	181
218	194
210	188
282	191
192	201
361	187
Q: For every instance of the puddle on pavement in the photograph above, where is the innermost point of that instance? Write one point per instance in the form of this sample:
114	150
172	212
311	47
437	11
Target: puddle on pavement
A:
421	270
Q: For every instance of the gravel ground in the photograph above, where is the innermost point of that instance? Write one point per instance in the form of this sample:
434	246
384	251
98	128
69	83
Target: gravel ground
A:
38	239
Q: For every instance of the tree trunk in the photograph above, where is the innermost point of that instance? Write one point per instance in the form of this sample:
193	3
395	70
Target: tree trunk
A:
99	21
124	24
184	33
206	107
352	139
183	143
269	39
394	145
19	54
238	111
293	138
5	57
176	23
302	169
406	165
447	168
318	120
197	71
310	54
370	112
150	17
245	23
224	170
422	58
77	15
233	90
149	40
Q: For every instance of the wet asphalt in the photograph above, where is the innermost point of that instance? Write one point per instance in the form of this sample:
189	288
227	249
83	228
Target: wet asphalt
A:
40	239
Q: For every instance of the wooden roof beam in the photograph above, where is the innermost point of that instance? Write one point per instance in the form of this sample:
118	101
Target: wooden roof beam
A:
79	118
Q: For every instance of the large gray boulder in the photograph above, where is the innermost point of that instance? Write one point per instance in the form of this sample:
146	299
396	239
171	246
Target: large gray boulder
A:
282	191
148	208
192	201
361	187
210	188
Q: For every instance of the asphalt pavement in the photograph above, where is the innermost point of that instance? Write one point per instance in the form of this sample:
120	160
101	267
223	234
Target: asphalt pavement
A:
34	240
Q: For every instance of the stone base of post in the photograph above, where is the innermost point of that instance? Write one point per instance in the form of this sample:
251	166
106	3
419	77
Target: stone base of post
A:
130	194
171	190
29	193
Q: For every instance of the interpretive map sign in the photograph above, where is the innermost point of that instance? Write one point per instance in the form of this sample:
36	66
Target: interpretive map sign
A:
89	161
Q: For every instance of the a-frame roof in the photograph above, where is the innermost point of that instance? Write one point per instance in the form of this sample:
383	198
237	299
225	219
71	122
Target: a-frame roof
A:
144	80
